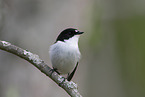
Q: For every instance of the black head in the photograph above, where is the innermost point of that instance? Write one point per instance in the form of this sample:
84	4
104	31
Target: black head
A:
68	33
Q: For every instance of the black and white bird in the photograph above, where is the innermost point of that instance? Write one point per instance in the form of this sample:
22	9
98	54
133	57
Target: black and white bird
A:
64	53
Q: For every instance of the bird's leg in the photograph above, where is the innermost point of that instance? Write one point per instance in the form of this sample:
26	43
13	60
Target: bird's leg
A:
54	69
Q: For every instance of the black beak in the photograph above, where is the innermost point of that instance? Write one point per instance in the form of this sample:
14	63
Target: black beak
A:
78	33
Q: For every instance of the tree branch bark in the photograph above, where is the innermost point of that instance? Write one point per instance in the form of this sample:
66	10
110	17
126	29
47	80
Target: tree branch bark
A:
69	87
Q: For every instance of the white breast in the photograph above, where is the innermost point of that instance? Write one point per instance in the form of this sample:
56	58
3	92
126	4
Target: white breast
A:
65	55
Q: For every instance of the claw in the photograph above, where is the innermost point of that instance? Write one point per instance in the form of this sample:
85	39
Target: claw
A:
52	70
61	83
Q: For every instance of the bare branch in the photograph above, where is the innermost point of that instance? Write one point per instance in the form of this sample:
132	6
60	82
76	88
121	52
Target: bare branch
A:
69	87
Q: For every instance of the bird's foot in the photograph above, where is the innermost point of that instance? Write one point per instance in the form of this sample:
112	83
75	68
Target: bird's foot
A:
52	70
61	83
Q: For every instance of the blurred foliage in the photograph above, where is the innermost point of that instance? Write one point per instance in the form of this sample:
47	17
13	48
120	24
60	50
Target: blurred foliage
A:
96	32
122	36
130	44
1	16
12	92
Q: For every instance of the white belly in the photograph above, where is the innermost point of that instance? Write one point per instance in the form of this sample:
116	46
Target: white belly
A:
64	57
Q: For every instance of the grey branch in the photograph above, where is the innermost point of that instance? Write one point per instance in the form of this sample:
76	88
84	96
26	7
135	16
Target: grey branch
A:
69	87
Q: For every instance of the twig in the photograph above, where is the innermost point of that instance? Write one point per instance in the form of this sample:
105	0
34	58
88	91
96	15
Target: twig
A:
69	87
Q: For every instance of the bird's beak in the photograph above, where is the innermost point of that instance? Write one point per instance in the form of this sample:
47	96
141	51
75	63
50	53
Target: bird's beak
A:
78	33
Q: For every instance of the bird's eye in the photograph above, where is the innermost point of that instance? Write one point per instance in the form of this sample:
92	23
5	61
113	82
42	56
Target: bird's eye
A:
76	30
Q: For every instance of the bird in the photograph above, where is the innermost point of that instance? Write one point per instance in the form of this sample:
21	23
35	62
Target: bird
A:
65	54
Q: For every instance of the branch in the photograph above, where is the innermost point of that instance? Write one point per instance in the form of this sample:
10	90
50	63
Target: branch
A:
69	87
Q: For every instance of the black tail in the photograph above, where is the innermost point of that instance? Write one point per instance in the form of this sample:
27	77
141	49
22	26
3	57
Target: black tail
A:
71	75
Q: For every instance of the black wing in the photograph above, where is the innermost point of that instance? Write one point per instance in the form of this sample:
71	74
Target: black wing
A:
71	75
